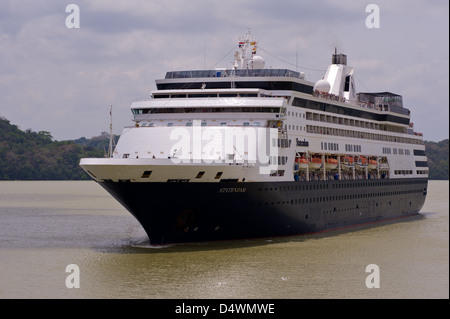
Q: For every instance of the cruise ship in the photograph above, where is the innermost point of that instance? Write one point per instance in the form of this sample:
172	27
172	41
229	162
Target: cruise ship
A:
249	152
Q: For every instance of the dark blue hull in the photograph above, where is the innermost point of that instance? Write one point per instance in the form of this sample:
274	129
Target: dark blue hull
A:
177	212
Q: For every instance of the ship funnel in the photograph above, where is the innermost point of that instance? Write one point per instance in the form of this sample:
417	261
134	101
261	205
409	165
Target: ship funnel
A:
339	59
338	80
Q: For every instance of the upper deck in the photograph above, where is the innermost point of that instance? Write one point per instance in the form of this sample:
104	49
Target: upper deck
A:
266	79
248	87
227	73
383	101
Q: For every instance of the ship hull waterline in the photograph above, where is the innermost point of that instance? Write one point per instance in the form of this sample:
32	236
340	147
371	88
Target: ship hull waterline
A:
181	212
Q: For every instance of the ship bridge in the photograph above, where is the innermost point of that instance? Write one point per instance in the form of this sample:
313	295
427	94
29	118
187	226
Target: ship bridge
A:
227	73
384	101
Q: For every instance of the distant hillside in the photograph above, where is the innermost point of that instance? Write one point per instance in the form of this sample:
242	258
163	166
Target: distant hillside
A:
98	142
437	153
34	156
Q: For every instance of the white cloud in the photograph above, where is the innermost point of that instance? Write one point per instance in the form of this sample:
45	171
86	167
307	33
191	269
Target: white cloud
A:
64	80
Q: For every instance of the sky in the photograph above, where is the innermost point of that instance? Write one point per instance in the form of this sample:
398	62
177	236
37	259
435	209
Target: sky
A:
64	80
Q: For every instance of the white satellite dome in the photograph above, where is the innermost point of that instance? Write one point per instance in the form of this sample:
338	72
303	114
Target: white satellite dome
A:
322	86
257	62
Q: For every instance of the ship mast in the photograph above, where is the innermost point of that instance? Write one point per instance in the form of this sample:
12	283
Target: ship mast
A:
246	57
110	150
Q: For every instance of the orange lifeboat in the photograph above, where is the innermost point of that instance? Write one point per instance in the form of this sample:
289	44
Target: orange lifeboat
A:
372	163
361	162
347	162
315	162
301	162
331	163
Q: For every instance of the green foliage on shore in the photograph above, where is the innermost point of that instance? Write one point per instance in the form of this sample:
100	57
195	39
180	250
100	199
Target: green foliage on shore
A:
28	155
437	153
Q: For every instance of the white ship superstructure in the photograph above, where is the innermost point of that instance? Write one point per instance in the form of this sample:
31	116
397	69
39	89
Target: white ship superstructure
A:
248	126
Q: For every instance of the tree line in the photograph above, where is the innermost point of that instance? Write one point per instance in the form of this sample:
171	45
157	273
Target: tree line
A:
437	153
29	155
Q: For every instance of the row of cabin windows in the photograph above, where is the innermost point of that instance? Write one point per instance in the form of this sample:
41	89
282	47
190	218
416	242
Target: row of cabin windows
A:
353	122
182	110
238	84
403	172
200	174
324	146
152	124
296	127
346	111
203	95
317	199
324	186
358	134
397	151
296	114
352	148
278	160
146	174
